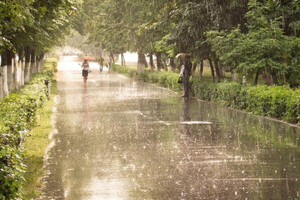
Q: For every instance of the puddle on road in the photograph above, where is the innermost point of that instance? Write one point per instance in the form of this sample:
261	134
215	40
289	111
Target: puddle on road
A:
119	139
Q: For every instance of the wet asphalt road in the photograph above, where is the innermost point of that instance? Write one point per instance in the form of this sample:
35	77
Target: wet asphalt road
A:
121	139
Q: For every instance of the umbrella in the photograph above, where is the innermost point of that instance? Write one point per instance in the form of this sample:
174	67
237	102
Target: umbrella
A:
183	55
88	58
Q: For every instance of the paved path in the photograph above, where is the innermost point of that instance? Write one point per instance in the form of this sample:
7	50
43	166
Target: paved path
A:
121	139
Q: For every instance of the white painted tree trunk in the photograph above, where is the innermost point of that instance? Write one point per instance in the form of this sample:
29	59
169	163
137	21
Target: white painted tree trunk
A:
37	65
4	88
40	65
26	72
10	79
1	83
32	68
22	69
15	74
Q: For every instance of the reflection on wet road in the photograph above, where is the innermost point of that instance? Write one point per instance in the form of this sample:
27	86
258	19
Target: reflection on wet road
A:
122	139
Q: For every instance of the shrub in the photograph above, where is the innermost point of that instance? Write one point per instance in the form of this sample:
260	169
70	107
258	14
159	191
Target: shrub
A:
204	90
18	113
293	108
143	76
269	100
228	93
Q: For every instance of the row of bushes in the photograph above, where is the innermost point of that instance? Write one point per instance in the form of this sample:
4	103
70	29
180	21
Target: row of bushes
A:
163	78
18	113
273	101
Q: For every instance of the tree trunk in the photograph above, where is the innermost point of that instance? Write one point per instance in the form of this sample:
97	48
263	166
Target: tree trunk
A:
3	75
21	67
27	65
16	74
172	63
141	62
222	72
32	63
194	67
212	70
201	68
186	77
256	77
165	64
112	56
144	61
267	78
151	62
1	83
217	71
22	74
40	62
123	60
158	61
10	70
274	78
37	63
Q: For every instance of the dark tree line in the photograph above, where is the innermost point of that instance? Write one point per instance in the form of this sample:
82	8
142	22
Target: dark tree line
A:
251	38
28	30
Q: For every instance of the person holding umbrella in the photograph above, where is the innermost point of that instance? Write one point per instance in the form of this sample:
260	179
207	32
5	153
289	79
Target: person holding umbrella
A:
185	72
85	70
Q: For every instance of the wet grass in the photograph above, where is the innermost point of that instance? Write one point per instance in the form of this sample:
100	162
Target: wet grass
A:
35	146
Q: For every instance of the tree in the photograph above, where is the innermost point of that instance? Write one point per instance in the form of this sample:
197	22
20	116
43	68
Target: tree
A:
263	49
30	28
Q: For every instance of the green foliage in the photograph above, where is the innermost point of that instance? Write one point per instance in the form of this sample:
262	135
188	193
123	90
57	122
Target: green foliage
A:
274	101
251	37
35	146
18	113
204	90
228	94
293	108
263	48
38	25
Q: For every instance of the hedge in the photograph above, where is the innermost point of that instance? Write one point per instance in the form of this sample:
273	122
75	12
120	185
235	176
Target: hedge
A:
18	113
162	78
274	101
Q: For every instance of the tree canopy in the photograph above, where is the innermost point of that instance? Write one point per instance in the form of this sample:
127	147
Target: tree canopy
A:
248	37
34	24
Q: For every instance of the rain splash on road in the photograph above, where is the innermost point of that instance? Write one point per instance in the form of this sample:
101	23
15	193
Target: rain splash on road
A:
121	139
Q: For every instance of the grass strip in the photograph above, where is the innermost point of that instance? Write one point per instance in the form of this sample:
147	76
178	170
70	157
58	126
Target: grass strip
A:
35	146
